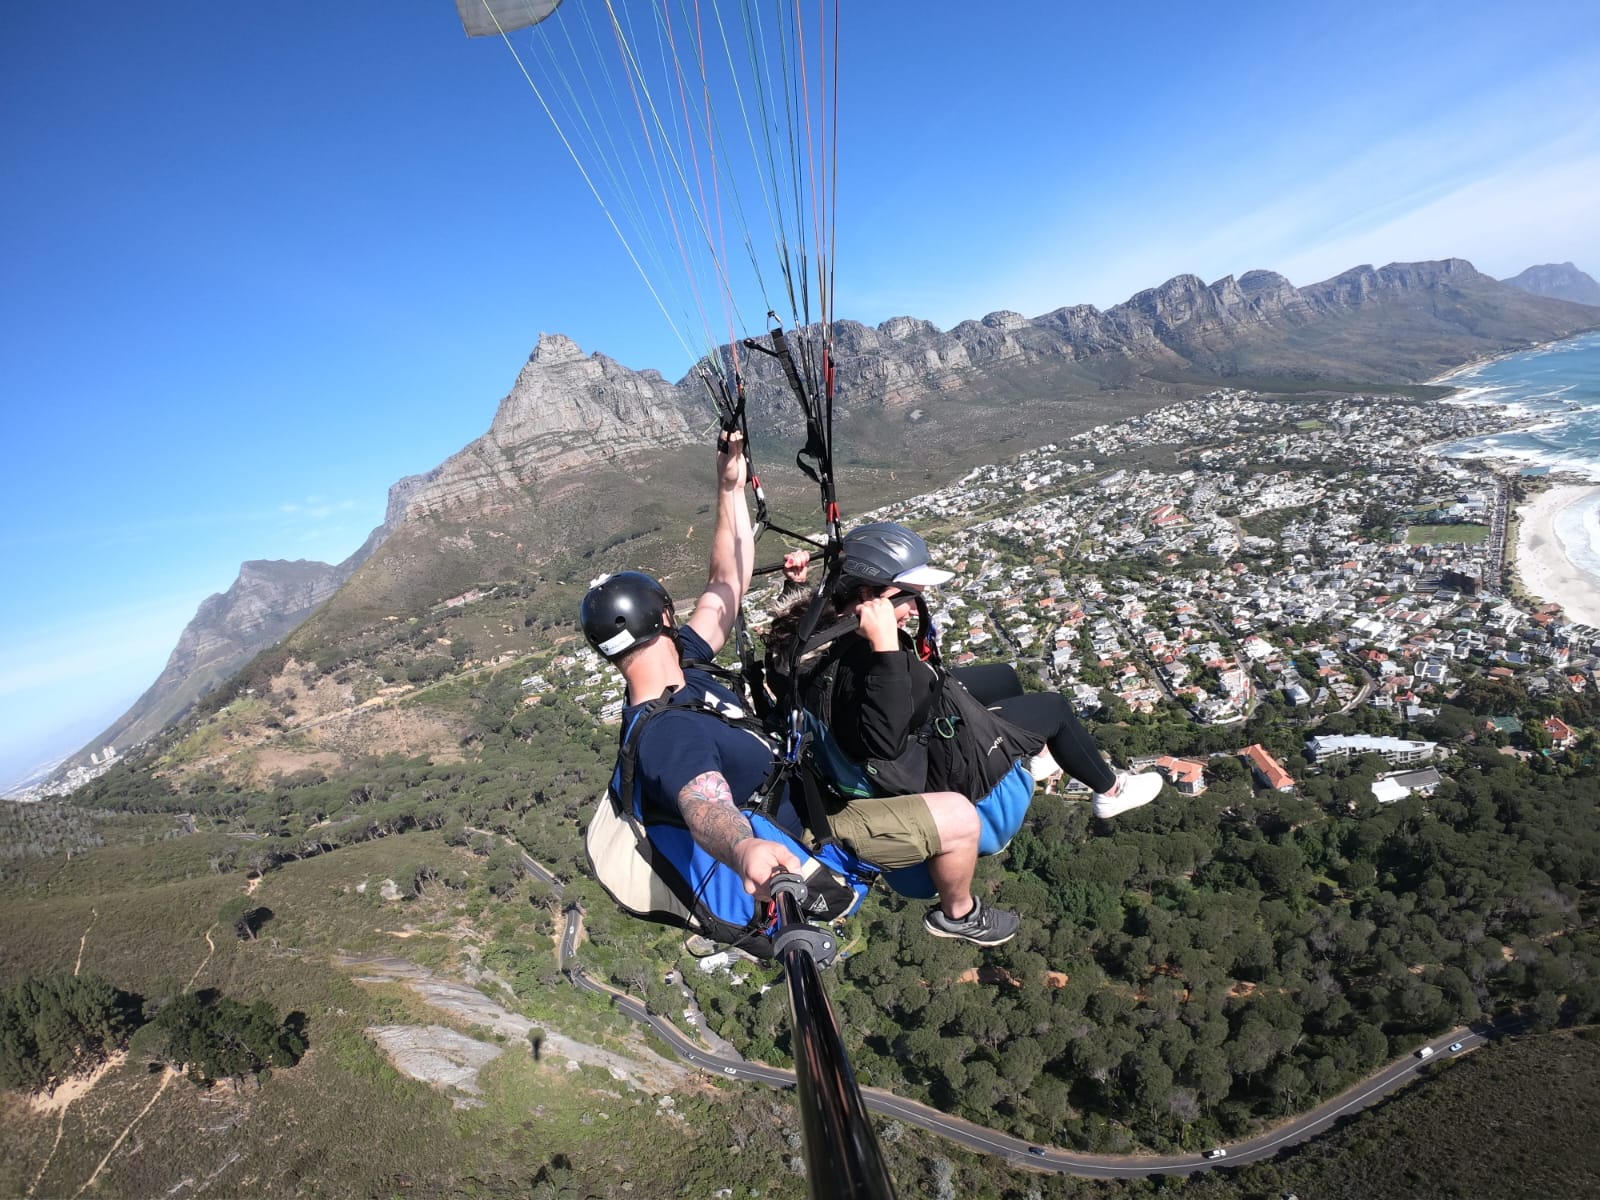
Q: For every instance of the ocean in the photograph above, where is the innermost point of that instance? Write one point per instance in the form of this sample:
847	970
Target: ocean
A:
1557	386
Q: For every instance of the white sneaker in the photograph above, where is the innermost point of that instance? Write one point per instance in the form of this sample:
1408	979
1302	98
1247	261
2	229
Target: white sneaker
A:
1130	791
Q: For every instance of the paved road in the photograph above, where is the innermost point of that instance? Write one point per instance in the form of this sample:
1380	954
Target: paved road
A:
1016	1151
529	864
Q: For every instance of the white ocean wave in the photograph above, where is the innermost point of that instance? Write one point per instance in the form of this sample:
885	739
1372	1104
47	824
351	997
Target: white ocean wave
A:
1578	528
1552	396
1555	396
1487	393
1553	458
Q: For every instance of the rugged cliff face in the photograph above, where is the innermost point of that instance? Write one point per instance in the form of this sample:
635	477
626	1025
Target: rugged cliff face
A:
582	448
1562	281
268	601
565	411
1402	322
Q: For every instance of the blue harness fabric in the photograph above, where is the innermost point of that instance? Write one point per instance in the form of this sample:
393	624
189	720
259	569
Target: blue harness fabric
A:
711	893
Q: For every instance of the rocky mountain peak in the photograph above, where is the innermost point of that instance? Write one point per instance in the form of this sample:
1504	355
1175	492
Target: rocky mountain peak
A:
555	348
1256	284
564	411
900	329
401	494
1005	319
268	600
1560	281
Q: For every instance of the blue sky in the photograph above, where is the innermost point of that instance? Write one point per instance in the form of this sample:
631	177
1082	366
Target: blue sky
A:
257	262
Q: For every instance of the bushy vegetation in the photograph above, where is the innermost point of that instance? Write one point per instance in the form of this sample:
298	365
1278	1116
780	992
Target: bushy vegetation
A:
1506	1121
1231	958
216	1038
59	1025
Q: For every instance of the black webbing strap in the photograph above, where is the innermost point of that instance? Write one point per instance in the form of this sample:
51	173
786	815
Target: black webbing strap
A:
763	800
818	447
766	798
926	643
831	634
811	807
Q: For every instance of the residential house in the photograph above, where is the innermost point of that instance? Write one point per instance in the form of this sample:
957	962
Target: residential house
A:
1561	734
1267	769
1188	776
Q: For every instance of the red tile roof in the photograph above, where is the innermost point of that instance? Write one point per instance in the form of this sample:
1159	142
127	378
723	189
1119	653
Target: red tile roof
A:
1270	768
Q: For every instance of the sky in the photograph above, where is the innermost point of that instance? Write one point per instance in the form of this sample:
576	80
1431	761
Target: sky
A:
258	262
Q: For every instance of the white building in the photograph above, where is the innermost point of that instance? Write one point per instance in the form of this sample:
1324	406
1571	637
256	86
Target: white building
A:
1397	750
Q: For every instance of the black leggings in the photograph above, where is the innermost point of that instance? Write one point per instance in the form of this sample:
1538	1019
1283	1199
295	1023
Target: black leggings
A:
1048	714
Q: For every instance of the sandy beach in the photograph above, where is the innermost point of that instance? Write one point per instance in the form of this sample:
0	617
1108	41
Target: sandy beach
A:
1542	565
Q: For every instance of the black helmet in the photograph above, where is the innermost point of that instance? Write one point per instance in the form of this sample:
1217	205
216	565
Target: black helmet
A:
882	552
624	610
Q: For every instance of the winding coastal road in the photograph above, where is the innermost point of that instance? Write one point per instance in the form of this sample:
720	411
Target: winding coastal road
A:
1016	1151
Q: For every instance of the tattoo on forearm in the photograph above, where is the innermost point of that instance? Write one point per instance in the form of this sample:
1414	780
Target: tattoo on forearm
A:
706	803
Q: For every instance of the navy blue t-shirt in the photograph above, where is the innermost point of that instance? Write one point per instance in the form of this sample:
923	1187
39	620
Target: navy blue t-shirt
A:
681	743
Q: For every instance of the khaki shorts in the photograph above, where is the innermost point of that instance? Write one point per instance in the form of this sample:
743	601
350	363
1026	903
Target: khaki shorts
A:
889	831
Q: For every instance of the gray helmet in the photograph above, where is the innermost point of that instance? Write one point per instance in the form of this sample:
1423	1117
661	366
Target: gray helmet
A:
624	610
883	552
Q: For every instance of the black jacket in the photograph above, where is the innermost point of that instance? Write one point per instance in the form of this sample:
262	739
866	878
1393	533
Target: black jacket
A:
913	727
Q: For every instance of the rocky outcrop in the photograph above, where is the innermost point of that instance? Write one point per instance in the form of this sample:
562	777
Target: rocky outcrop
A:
568	410
565	411
1561	281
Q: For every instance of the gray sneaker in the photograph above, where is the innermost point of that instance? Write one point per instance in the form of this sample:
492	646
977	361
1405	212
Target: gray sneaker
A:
982	926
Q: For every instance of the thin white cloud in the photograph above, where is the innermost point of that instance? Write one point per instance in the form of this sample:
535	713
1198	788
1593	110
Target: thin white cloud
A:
316	508
109	643
1506	177
128	533
1504	223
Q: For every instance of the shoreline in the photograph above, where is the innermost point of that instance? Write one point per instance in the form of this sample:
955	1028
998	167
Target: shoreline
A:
1443	380
1543	568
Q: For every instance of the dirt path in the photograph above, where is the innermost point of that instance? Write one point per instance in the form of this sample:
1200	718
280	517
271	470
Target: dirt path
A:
211	948
75	1089
61	1123
167	1077
94	915
61	1099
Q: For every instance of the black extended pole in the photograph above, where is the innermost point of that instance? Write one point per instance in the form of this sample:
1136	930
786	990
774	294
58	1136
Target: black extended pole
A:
843	1160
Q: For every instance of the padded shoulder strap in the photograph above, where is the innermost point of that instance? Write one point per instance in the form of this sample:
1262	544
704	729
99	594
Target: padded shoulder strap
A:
623	778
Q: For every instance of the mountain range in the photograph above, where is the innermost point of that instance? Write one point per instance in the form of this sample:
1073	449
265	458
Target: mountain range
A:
581	455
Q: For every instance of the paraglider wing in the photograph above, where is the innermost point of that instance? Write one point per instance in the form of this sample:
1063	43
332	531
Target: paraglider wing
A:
491	18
